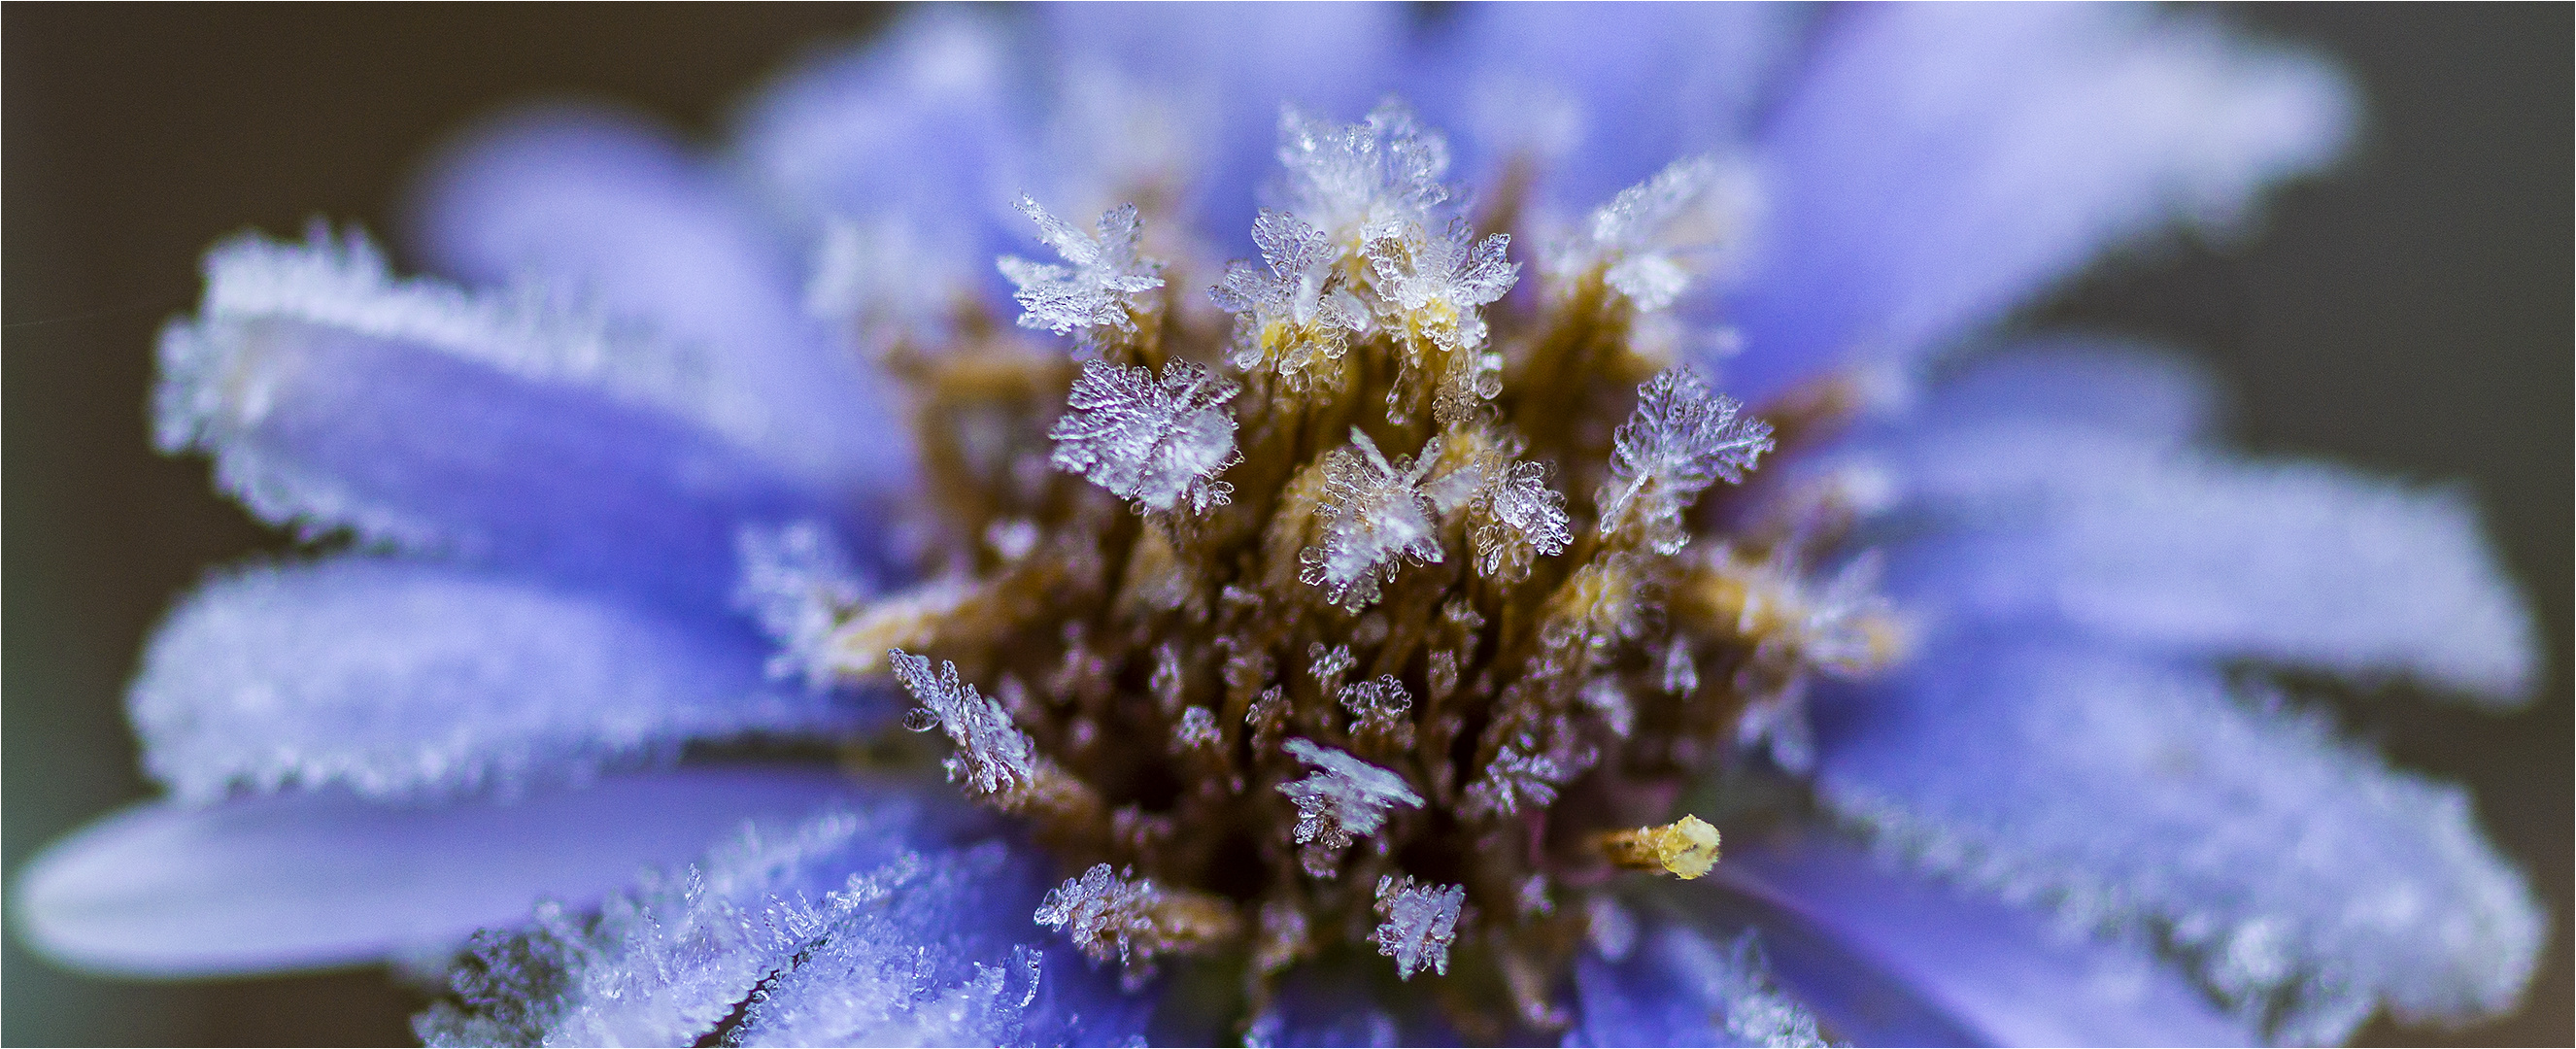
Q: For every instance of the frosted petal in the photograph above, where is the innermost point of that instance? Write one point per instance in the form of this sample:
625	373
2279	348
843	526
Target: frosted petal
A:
2298	563
1600	96
306	880
492	430
1937	166
2003	973
1680	988
2302	880
397	680
605	209
859	925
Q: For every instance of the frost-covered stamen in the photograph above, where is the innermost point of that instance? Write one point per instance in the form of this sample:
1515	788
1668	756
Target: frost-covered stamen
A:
1158	442
1685	848
1377	516
993	755
1344	798
1098	293
1682	438
1292	313
1354	180
1433	283
1654	238
1115	914
1419	922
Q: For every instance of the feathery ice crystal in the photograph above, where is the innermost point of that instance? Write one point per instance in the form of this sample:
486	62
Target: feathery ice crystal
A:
1401	631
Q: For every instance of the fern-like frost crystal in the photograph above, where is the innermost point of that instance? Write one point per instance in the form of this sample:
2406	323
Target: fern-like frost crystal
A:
1158	442
1419	921
993	755
1683	438
1095	294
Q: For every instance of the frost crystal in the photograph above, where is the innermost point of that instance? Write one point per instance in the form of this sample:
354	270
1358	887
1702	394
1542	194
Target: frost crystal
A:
992	753
1343	798
1683	438
1296	314
1197	729
797	582
1096	294
1518	519
1105	913
1378	516
1156	442
1654	237
1525	776
1419	922
1357	180
1445	276
1380	699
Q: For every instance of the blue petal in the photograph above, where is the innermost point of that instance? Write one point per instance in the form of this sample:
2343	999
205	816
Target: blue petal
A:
396	680
2003	974
485	429
1602	96
307	880
1241	64
2109	526
1938	165
2302	880
1677	987
923	130
606	209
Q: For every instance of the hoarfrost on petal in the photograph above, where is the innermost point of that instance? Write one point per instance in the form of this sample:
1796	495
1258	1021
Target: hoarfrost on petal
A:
1158	442
1683	438
1418	922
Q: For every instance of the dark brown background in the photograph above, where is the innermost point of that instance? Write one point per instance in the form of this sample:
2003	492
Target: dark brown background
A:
2410	314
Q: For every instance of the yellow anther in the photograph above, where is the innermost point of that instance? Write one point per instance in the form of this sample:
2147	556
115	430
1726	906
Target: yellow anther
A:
1685	848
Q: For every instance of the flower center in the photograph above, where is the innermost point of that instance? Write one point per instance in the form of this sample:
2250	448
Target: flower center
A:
1383	610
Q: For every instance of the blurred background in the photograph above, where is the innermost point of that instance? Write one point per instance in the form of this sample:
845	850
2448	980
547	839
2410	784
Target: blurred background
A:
2410	315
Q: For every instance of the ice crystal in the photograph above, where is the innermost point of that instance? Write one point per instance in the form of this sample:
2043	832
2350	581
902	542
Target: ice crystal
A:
1344	798
1655	237
1377	518
1518	519
1442	278
1418	922
1104	912
992	753
1098	293
1526	774
1292	311
1158	442
1197	729
1357	181
1682	438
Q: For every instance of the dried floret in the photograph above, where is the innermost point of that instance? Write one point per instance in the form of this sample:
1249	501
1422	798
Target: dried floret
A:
1342	799
1158	442
1419	920
1682	438
993	755
1097	293
1292	313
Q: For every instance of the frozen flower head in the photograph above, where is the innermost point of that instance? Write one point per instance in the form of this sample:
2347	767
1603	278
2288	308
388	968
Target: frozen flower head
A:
1294	526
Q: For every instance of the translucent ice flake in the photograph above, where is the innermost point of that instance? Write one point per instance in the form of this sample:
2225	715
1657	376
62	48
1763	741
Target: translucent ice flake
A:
1354	180
1096	294
1115	914
1377	516
1682	438
1343	798
1655	237
1292	312
797	581
992	753
1418	922
1157	442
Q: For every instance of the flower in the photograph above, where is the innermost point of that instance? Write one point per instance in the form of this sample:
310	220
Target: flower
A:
557	612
